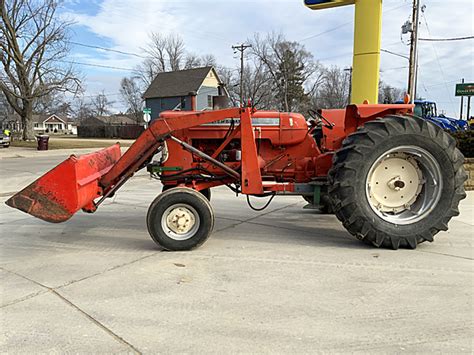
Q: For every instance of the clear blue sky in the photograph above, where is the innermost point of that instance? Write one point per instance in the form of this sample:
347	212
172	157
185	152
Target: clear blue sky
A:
213	26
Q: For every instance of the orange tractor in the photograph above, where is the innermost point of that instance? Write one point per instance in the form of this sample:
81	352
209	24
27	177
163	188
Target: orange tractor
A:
392	179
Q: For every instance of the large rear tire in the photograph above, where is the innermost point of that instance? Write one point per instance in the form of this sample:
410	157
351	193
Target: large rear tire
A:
180	219
397	181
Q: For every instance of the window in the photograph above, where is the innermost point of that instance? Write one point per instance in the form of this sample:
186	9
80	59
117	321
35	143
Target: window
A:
209	100
37	125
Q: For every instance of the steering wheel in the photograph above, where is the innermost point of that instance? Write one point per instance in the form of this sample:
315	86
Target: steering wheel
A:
318	117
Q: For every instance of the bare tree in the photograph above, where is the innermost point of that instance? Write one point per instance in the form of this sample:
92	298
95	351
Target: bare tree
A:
231	82
101	104
156	49
146	72
208	60
6	111
48	103
33	43
289	64
131	96
175	50
389	94
258	86
192	61
81	109
168	53
333	91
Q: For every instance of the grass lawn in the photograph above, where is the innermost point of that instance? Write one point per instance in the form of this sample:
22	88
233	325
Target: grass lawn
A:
72	143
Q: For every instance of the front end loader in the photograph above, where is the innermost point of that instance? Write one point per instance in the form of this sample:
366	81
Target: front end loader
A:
392	179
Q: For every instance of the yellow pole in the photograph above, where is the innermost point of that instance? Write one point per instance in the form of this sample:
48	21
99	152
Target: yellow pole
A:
366	61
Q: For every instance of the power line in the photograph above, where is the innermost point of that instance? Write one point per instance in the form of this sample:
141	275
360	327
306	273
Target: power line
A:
397	68
95	65
349	53
102	94
108	49
327	31
444	83
343	24
396	54
439	62
446	39
120	52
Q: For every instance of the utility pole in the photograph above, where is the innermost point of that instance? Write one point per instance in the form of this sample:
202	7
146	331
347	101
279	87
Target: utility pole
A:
349	70
413	50
462	102
241	49
468	113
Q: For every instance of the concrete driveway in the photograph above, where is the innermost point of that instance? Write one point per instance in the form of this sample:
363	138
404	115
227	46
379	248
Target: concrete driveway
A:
283	280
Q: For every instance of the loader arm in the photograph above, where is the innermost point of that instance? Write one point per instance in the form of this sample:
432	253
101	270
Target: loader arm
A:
149	141
77	182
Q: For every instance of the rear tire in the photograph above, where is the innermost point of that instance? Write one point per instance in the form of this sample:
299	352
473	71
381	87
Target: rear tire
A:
180	219
397	181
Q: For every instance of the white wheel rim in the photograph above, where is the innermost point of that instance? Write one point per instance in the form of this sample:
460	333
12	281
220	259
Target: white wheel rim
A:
180	221
404	184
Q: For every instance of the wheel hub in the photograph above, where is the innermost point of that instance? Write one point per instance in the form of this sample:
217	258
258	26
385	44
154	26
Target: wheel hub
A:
180	220
395	183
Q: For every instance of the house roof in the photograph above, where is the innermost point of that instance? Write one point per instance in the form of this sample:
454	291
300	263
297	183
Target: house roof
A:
177	83
43	118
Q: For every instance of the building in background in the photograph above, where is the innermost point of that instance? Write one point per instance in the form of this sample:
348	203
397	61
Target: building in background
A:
53	124
187	90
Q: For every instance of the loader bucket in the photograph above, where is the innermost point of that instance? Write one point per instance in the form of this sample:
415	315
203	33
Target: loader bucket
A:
69	187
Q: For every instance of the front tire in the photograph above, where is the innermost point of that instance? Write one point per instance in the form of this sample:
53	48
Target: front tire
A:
180	219
397	181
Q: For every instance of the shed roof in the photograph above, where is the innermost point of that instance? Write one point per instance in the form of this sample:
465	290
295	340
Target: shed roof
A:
177	83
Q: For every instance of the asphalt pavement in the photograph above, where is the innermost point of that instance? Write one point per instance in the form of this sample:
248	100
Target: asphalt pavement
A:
284	280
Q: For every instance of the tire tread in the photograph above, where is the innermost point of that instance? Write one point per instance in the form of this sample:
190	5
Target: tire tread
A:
351	156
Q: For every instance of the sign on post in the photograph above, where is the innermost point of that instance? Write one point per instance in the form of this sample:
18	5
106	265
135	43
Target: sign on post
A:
146	115
465	89
324	4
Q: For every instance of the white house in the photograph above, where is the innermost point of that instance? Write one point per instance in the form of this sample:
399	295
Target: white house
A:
53	124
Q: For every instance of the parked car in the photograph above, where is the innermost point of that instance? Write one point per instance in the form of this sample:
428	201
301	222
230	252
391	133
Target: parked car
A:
4	140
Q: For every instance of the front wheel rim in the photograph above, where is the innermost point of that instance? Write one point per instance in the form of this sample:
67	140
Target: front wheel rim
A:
404	185
180	221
